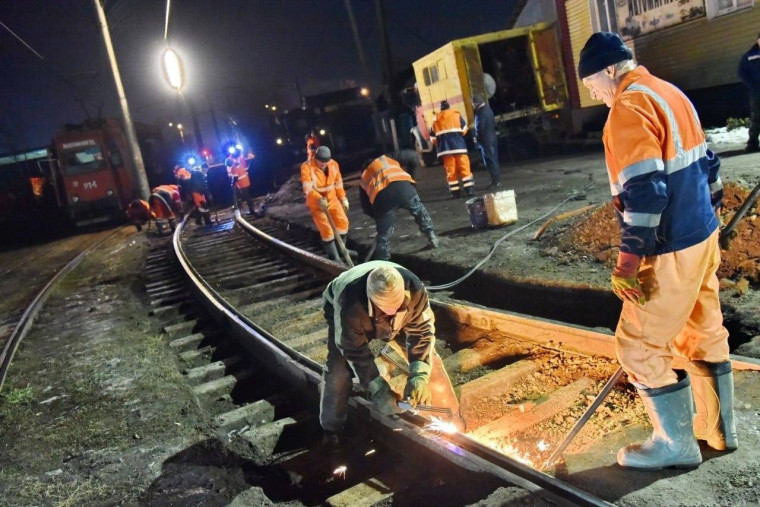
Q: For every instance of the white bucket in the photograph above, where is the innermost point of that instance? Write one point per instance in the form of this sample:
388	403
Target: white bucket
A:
501	207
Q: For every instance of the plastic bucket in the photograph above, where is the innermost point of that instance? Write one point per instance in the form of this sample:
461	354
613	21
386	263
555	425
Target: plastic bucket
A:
476	207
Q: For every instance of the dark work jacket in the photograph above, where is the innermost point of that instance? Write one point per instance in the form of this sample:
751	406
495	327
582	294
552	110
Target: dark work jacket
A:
485	126
389	198
347	311
749	70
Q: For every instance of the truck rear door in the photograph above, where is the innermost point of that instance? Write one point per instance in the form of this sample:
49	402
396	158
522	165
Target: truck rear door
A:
474	71
547	65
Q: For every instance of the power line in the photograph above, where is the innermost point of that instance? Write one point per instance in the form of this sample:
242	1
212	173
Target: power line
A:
22	41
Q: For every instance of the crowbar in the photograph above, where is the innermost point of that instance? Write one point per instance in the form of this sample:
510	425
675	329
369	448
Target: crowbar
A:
584	418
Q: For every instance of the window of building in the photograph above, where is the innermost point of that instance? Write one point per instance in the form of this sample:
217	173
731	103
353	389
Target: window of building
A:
720	7
603	15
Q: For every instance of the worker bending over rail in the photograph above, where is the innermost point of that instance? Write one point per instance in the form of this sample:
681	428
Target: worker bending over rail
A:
195	191
323	187
384	188
665	187
164	206
379	300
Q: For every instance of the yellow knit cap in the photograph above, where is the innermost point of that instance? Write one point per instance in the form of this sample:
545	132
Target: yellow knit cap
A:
385	287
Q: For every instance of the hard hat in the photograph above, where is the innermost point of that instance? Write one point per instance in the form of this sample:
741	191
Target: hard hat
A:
385	288
323	154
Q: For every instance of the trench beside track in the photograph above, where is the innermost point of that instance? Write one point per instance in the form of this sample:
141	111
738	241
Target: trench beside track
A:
263	285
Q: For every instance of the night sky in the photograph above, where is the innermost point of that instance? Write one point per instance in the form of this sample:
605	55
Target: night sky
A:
238	55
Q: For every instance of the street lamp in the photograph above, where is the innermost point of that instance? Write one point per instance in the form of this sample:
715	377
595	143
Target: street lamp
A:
364	91
181	132
173	69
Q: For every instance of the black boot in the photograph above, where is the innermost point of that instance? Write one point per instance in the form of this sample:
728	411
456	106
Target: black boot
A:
351	253
432	240
468	191
455	194
332	251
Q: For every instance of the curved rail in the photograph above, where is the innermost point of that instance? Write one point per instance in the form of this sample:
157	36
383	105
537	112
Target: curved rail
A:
27	318
305	373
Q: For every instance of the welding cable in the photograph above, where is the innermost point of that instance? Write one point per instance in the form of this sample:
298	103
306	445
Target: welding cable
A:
575	196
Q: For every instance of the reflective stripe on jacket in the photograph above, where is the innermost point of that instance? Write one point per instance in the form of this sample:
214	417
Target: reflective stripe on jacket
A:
448	133
379	174
659	167
316	184
346	306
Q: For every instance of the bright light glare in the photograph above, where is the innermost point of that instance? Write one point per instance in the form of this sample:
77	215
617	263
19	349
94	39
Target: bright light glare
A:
191	161
231	150
274	108
179	126
364	91
239	146
322	132
173	69
279	141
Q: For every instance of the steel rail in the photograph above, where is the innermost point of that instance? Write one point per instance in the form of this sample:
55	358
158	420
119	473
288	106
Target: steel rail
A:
305	374
27	318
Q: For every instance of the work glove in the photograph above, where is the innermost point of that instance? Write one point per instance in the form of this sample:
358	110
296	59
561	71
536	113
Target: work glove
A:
625	279
417	389
323	203
344	202
716	199
383	397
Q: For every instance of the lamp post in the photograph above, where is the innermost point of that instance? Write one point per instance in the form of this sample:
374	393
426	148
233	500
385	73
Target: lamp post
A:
140	176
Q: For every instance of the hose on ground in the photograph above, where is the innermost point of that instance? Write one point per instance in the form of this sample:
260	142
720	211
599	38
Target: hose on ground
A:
574	196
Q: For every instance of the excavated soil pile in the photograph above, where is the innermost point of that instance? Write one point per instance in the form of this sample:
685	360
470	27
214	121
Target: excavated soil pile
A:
596	235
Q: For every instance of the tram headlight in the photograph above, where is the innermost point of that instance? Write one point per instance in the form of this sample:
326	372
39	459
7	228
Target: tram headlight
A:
75	198
109	192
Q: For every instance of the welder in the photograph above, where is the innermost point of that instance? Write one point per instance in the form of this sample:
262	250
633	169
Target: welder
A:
323	187
378	300
447	134
237	170
385	187
194	187
665	185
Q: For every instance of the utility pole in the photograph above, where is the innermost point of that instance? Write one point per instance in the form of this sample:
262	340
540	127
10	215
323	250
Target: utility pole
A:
385	52
140	176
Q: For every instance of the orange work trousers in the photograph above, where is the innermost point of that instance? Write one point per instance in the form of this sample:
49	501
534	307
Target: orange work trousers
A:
457	168
681	316
337	213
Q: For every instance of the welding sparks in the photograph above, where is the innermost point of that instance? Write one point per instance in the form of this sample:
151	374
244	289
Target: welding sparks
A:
341	471
440	426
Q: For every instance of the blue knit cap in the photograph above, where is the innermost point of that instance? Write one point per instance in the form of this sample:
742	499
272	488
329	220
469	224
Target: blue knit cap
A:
602	49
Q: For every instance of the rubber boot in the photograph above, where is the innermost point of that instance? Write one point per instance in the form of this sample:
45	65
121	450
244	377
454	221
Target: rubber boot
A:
432	240
160	227
672	444
468	191
351	253
712	385
332	251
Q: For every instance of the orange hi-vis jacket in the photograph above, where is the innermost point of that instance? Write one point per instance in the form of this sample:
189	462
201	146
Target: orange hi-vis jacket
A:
379	174
182	174
240	169
448	133
316	184
660	170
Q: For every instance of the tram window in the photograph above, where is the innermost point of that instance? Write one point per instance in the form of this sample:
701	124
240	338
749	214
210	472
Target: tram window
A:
83	161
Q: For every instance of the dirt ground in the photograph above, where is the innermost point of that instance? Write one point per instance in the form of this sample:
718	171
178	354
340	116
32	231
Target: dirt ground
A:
96	413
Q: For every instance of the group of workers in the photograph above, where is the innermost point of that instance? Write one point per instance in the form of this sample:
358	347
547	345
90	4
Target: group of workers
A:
167	203
666	189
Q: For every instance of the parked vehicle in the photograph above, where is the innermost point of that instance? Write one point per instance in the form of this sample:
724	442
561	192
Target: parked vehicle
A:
519	70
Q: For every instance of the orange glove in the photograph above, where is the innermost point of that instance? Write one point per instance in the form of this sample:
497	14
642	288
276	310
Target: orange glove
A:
625	279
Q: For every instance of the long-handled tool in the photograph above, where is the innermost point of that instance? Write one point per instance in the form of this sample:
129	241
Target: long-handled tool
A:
725	238
338	239
584	418
407	406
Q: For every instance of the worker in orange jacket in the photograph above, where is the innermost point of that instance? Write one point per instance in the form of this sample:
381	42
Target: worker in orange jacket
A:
165	205
138	212
665	184
312	143
323	187
237	170
447	135
384	188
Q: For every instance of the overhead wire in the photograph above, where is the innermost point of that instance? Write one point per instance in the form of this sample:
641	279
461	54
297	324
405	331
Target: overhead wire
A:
22	41
574	196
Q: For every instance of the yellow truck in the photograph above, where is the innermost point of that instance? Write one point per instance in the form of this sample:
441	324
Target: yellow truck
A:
519	70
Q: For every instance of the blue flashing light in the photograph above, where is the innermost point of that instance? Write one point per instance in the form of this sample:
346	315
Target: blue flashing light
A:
231	150
191	161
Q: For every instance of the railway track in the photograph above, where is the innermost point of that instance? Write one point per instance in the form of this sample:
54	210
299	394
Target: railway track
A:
522	382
